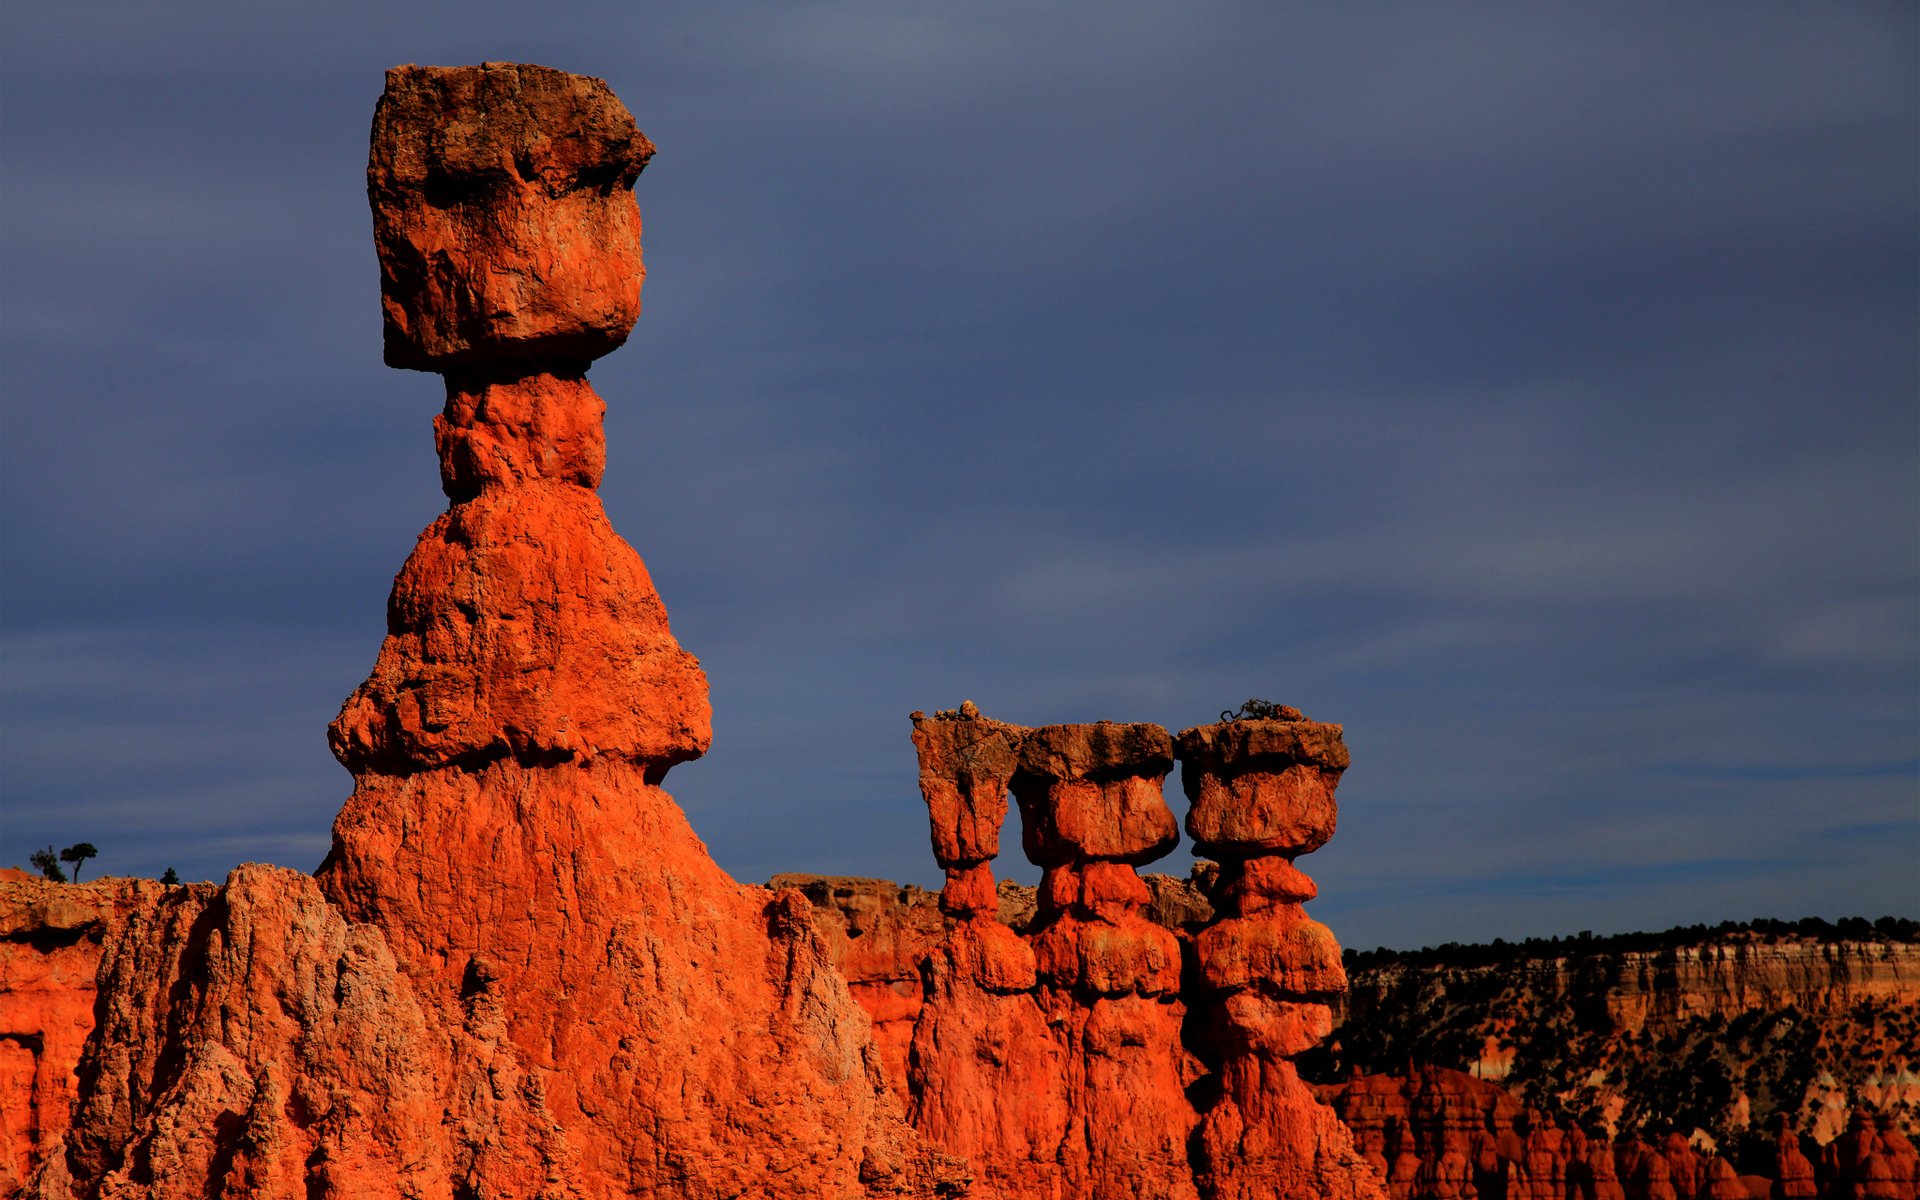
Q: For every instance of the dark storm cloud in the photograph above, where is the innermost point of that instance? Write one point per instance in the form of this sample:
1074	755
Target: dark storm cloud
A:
1531	390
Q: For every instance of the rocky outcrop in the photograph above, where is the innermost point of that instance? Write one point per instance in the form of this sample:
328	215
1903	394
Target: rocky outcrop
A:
879	935
253	1042
1433	1131
518	972
52	938
1261	794
686	1035
1109	1035
1699	1059
503	215
1107	980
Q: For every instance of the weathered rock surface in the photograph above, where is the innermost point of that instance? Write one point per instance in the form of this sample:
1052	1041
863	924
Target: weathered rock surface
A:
1261	792
504	215
52	938
879	935
1444	1133
1079	1044
253	1042
522	625
518	973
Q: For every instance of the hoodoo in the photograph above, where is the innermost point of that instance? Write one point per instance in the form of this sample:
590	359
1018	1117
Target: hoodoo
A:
1094	1052
518	973
676	1033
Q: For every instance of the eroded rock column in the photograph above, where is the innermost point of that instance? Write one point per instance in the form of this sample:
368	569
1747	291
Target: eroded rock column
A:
1092	813
623	1018
1261	794
986	1076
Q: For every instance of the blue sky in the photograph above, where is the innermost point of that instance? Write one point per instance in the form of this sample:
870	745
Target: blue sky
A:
1531	389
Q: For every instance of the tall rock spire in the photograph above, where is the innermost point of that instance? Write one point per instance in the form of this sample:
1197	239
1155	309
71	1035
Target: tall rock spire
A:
509	246
518	973
667	1031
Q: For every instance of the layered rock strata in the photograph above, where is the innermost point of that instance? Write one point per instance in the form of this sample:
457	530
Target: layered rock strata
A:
1431	1130
518	973
1722	1031
1261	792
1444	1133
1062	1058
1108	979
52	939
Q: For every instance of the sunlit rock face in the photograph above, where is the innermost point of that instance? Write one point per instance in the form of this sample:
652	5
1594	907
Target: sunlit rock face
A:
504	214
52	939
1108	1034
518	973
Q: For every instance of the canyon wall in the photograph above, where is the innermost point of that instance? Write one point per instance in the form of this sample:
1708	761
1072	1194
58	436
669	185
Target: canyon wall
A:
52	939
1778	1063
1721	1032
1434	1133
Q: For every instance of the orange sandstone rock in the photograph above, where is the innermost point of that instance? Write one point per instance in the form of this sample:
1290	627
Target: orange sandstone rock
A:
522	625
1262	790
1092	811
877	935
966	764
1262	786
518	973
503	211
52	937
1093	792
507	831
1053	1062
255	1043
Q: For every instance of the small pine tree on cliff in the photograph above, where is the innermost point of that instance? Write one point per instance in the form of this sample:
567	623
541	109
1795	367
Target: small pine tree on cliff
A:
48	864
76	854
170	878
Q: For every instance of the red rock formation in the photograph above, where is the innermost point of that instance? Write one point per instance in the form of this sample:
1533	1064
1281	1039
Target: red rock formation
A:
1793	1176
1903	1163
1590	1170
1470	1137
1464	1133
518	972
985	1077
966	765
507	830
1261	793
52	937
1055	1058
503	217
1684	1167
253	1042
878	934
1091	811
1722	1181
